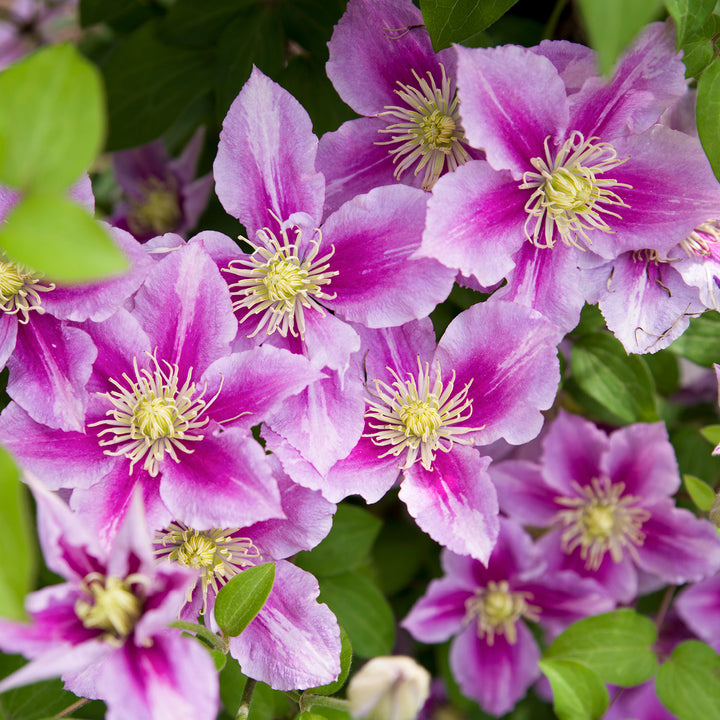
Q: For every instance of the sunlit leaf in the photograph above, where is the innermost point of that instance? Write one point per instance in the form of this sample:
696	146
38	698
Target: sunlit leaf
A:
242	598
578	692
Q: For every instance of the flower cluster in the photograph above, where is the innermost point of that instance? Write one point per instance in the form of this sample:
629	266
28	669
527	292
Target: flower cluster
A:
204	413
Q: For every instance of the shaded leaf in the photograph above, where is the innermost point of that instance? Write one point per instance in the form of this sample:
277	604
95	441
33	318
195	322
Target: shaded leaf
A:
701	341
362	610
149	83
620	382
348	543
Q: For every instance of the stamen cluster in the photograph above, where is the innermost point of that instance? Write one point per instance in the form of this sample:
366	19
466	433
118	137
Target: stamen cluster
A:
410	416
568	194
428	131
279	280
20	290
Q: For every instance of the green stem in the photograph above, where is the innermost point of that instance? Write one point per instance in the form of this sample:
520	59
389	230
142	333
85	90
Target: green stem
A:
551	24
205	634
71	708
308	700
244	709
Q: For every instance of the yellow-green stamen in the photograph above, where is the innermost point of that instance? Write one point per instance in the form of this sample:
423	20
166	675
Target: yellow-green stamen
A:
409	416
20	290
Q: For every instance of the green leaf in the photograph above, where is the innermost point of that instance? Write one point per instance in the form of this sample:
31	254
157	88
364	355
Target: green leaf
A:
578	692
619	382
616	645
701	341
199	24
613	24
345	660
701	493
242	598
711	433
348	543
689	16
59	238
362	610
665	371
52	121
688	684
17	548
149	83
698	50
458	21
708	117
122	15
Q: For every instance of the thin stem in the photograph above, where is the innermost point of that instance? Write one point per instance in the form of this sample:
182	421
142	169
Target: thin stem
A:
309	700
210	638
551	24
244	709
664	605
71	708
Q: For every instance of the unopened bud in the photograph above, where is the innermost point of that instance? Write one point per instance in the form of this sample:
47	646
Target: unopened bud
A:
389	688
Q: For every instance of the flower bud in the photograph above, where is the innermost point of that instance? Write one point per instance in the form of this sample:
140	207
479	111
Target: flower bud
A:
389	688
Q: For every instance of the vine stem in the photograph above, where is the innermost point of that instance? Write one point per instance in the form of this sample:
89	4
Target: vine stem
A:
244	709
70	708
309	700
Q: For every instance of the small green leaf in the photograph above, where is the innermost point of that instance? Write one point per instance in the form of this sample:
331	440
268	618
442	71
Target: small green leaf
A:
242	598
616	645
53	119
219	658
362	610
56	236
345	660
698	50
458	21
711	433
689	16
17	569
688	684
613	24
620	382
348	543
708	116
701	493
578	692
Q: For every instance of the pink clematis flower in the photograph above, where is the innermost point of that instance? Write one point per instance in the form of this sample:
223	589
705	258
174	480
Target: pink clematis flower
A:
105	630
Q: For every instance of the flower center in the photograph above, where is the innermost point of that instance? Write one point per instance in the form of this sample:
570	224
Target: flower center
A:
158	212
426	129
409	416
569	196
217	554
113	605
601	520
152	415
497	609
701	242
19	290
280	281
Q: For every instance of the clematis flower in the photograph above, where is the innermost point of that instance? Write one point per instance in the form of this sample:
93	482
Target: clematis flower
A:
48	359
293	642
568	173
383	66
105	630
607	503
170	410
493	371
162	195
306	280
494	656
